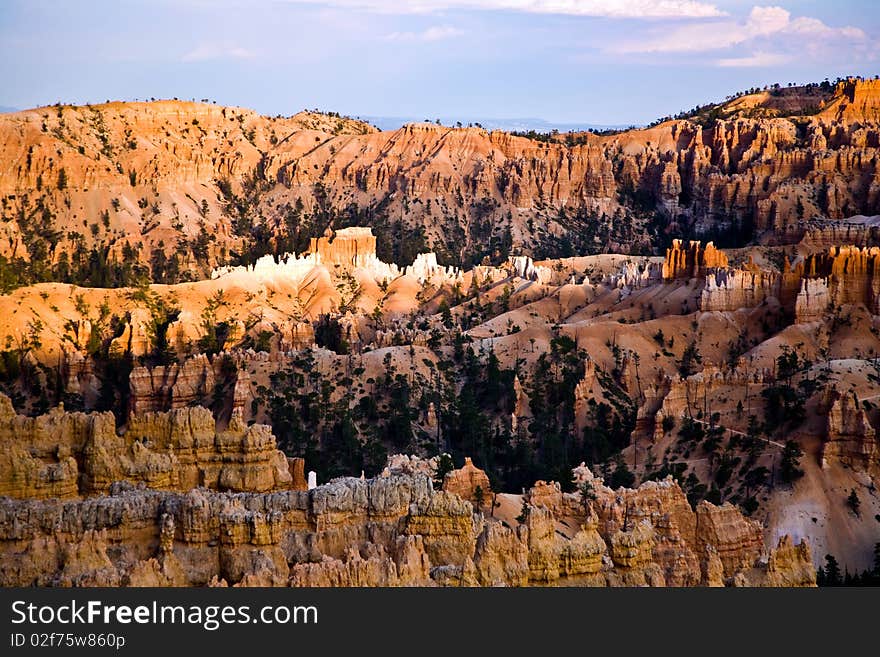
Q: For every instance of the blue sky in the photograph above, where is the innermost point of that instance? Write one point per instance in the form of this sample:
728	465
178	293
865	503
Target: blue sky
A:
597	61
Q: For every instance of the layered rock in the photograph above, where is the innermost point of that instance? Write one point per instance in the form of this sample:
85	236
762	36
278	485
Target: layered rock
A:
162	388
849	436
584	555
445	523
297	468
737	540
813	300
852	274
469	483
635	275
500	557
691	261
632	554
788	565
191	162
388	531
62	455
855	100
652	536
731	289
352	247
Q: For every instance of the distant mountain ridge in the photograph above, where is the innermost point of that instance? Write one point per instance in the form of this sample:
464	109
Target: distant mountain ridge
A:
118	193
507	125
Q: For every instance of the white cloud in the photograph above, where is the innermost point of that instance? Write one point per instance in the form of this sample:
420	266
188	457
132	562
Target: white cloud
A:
208	51
606	8
762	23
434	33
757	60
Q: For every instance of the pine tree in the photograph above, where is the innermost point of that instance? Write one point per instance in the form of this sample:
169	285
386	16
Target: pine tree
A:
523	513
788	468
832	571
444	465
853	502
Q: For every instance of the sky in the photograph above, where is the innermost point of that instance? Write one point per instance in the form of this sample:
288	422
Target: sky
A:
606	62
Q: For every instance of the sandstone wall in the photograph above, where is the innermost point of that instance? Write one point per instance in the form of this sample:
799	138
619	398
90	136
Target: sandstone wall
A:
393	530
652	536
765	170
849	436
469	483
63	455
692	260
852	274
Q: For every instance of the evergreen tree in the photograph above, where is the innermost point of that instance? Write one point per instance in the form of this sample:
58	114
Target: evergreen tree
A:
444	465
832	572
853	502
789	471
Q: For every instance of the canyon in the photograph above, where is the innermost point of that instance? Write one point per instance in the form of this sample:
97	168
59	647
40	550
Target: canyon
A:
393	530
181	188
252	351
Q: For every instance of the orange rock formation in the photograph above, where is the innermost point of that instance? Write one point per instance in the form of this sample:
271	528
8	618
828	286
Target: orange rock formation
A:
469	483
691	261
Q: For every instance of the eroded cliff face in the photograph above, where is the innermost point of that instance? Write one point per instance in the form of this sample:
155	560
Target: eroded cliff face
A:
851	274
142	169
175	173
393	530
469	483
808	288
653	536
850	438
65	455
692	260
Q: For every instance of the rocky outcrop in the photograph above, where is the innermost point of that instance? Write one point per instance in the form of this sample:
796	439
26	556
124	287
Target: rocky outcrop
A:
297	468
687	397
854	100
392	530
524	267
136	339
788	565
737	540
731	289
426	269
351	247
584	555
548	495
469	483
406	565
62	455
500	558
652	536
168	387
692	260
405	464
180	177
635	275
545	548
852	274
813	301
445	523
632	554
849	436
